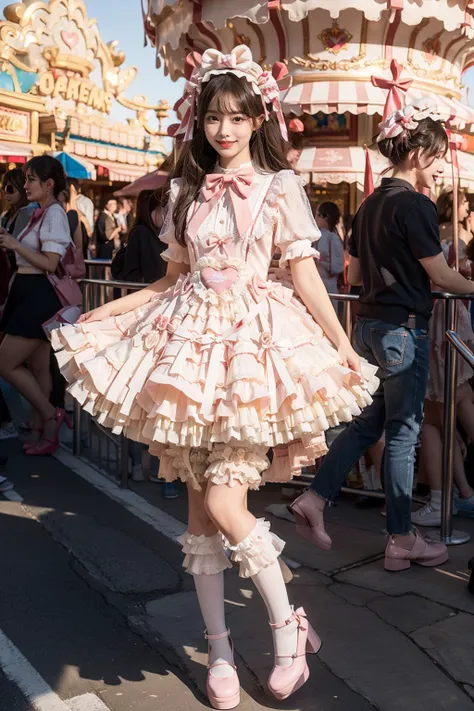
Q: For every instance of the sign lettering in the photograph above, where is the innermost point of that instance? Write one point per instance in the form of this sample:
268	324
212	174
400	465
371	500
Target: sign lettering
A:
14	124
82	91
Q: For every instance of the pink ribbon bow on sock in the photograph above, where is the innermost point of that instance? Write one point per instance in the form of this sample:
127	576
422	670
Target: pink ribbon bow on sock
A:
239	183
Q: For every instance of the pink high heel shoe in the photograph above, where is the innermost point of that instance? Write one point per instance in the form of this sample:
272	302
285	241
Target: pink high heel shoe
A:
222	692
284	681
312	530
49	446
29	445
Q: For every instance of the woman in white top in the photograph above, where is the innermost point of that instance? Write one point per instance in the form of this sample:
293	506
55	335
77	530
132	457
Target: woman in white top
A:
25	350
329	245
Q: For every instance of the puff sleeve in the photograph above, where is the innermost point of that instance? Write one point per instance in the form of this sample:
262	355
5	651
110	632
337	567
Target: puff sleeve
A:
296	229
174	252
54	233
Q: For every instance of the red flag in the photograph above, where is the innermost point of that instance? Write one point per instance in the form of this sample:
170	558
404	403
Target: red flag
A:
368	175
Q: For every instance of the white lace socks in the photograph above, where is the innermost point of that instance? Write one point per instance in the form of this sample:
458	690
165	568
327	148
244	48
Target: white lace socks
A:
210	592
258	557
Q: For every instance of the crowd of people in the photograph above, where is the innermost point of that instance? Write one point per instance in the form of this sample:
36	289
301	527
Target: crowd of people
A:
212	365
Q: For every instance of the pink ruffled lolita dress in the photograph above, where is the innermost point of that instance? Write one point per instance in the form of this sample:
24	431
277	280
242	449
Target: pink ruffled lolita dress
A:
226	364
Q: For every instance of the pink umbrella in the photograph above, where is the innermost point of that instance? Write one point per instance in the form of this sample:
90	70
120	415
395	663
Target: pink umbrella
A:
149	181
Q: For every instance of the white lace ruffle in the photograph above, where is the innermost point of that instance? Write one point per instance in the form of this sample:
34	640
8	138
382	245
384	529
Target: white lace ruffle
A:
204	555
257	551
228	465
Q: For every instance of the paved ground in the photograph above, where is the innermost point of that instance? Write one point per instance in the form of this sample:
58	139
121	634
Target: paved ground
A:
96	614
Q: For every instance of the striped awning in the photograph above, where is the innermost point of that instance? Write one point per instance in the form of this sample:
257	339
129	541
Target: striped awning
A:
361	97
119	172
15	152
337	165
466	171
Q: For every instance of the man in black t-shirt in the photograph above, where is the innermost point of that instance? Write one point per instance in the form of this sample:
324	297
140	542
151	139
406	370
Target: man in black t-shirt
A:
396	253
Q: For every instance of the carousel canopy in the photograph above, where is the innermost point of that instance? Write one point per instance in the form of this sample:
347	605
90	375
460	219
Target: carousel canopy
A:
359	97
337	165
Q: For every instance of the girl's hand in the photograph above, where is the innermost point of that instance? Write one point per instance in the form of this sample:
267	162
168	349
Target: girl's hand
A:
98	314
7	241
349	357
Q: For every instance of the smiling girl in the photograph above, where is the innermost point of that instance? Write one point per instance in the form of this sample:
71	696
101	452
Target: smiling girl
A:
214	364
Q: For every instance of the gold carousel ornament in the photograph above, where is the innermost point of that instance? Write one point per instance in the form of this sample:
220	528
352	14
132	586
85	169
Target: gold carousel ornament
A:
53	54
333	93
334	39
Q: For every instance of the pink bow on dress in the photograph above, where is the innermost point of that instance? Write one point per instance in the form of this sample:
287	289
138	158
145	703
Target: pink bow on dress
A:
239	183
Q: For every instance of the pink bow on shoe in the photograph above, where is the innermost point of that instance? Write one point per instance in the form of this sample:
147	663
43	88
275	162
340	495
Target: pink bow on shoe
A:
239	183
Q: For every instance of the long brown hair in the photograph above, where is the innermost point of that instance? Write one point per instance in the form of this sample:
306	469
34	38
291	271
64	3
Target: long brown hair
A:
147	203
197	157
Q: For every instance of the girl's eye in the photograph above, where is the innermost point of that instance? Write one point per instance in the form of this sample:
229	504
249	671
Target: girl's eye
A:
238	119
212	118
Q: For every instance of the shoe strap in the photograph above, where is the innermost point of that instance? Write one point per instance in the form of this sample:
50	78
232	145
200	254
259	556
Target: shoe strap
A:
299	616
222	635
222	664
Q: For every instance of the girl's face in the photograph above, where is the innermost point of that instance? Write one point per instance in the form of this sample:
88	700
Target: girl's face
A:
429	170
463	208
470	222
36	189
321	221
229	134
12	195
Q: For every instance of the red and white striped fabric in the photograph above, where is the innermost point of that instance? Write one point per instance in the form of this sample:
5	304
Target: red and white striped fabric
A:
361	97
337	165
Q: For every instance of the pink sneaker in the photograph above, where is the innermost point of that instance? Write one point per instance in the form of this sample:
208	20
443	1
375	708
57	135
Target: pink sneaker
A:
284	681
222	692
423	552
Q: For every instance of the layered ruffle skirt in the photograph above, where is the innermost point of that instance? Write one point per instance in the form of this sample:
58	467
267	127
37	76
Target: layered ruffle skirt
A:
213	373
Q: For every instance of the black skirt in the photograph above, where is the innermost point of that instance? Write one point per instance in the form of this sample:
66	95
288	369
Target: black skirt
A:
31	301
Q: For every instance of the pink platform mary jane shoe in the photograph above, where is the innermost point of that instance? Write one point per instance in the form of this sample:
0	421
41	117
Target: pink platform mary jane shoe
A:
284	681
222	692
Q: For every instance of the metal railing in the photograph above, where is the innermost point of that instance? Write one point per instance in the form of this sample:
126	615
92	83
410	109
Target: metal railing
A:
109	451
96	293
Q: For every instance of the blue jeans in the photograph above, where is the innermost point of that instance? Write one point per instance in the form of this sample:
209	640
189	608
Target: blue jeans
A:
402	355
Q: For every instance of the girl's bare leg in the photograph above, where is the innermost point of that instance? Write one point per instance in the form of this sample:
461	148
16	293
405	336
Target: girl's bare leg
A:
15	352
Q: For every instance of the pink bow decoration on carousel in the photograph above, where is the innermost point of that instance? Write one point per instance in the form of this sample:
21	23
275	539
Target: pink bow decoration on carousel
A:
239	184
408	118
200	69
396	88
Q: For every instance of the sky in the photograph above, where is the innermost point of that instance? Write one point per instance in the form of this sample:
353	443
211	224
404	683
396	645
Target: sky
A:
126	26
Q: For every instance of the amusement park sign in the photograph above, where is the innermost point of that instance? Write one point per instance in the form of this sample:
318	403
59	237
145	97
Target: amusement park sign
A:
79	90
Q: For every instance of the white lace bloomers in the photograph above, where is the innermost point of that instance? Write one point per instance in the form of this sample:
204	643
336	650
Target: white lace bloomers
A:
227	363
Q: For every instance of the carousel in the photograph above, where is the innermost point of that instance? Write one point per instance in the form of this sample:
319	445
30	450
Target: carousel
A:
345	58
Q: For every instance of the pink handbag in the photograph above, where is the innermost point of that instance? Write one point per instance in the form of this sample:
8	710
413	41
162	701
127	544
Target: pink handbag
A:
71	267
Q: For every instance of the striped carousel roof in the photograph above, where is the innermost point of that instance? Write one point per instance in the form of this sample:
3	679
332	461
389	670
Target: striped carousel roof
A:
361	97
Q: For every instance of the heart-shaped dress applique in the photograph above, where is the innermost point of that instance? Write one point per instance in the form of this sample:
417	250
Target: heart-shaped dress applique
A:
219	280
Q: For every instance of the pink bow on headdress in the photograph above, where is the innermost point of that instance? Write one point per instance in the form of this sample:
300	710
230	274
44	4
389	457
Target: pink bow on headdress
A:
396	88
200	69
407	119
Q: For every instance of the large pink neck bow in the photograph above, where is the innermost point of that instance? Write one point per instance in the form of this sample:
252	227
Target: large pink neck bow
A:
239	185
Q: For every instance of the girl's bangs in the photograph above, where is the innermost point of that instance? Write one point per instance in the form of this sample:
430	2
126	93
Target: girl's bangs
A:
229	94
